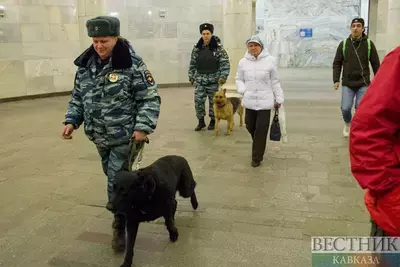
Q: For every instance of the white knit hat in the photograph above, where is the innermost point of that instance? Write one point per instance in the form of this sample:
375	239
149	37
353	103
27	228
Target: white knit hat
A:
255	39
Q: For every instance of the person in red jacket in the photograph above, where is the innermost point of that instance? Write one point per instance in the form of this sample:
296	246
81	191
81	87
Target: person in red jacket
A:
374	146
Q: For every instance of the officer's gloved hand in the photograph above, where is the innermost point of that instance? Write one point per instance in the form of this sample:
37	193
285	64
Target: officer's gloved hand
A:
221	81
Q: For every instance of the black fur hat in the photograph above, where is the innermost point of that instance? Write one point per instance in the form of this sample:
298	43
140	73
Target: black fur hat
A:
207	26
103	26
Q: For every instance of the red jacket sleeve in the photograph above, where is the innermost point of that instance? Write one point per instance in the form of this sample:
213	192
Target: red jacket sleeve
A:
374	143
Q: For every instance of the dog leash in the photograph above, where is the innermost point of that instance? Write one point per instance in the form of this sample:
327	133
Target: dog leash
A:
136	152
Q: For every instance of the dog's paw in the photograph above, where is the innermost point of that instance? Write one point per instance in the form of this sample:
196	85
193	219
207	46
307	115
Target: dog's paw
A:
216	133
173	236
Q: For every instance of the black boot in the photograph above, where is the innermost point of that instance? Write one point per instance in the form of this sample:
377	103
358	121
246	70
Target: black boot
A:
118	242
211	126
201	125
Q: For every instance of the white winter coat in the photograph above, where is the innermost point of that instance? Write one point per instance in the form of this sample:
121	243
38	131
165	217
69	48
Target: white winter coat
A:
258	81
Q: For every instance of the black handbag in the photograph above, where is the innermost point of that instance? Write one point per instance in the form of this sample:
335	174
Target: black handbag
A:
275	131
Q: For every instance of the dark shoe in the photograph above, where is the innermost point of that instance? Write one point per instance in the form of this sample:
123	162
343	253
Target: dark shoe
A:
211	126
255	163
118	242
201	125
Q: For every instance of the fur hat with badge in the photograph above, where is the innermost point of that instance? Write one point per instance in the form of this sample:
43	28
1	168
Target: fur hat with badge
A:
207	26
103	26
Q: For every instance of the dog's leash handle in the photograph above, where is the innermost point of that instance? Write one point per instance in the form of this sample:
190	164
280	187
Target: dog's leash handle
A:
132	141
136	151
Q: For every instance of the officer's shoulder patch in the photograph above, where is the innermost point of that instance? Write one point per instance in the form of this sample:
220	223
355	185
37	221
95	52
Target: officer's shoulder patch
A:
149	78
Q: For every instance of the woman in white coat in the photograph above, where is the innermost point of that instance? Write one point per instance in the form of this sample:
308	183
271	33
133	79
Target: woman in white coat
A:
258	81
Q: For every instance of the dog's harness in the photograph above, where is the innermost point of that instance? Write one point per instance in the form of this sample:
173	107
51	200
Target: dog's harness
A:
136	152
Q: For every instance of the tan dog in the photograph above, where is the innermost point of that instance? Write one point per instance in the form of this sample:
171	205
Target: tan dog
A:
225	108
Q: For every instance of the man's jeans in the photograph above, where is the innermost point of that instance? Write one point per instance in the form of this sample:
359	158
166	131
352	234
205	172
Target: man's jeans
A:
348	99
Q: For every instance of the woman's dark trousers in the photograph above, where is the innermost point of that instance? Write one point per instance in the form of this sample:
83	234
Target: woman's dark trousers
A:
257	124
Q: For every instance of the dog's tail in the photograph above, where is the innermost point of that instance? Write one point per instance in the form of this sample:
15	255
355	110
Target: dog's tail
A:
186	184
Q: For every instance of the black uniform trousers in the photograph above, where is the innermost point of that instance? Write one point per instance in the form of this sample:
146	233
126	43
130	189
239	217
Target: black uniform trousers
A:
257	124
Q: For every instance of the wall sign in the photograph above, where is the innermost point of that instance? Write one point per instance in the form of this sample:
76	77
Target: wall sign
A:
306	33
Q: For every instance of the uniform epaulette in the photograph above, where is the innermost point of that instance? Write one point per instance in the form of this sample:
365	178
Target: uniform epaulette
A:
136	60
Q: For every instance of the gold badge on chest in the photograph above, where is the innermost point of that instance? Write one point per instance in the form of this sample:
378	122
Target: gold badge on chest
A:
113	77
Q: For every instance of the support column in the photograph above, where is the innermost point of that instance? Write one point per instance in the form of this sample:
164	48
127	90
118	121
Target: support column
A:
238	27
373	20
393	25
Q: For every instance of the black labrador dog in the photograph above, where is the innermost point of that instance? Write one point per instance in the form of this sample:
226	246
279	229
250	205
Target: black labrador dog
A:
149	193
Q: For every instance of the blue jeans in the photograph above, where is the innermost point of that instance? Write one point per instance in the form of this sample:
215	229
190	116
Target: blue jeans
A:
348	99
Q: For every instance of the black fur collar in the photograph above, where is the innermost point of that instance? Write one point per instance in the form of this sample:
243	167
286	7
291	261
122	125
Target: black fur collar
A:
214	43
121	57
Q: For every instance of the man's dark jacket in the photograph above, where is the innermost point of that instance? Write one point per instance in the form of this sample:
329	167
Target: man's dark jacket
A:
356	72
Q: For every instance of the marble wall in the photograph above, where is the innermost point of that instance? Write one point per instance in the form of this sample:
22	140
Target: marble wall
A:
163	32
39	39
283	19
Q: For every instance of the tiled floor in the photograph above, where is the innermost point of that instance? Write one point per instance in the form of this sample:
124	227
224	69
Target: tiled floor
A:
52	192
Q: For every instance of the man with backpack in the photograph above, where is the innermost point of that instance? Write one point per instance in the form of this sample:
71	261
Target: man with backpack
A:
354	55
